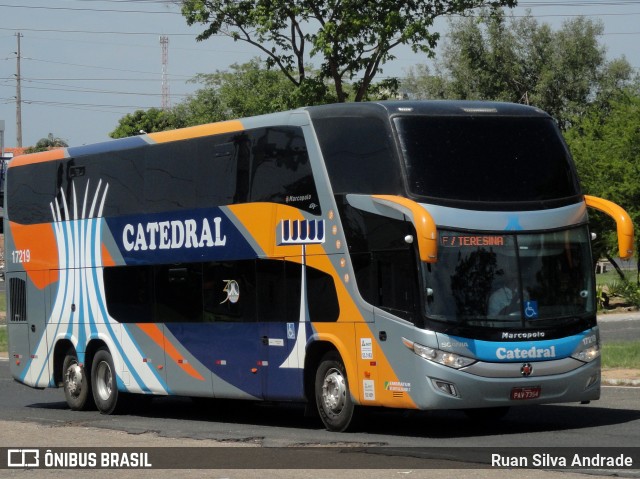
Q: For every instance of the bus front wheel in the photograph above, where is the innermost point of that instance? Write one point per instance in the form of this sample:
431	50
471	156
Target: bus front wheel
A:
103	378
77	388
333	397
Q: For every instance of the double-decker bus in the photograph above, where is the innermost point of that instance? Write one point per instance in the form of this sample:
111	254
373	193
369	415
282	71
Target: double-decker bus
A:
417	255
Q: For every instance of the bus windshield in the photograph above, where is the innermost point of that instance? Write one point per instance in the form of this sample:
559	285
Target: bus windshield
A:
487	160
507	280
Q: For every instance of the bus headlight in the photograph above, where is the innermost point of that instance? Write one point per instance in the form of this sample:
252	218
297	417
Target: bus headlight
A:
445	358
588	354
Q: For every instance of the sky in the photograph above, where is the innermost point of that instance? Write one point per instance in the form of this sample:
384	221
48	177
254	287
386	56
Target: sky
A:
85	64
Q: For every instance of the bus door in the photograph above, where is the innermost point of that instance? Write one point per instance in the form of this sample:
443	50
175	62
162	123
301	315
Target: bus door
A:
179	314
28	342
230	332
284	326
18	326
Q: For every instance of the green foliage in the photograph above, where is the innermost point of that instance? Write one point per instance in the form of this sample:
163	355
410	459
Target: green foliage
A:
351	38
626	289
44	144
492	57
146	121
4	347
251	89
605	144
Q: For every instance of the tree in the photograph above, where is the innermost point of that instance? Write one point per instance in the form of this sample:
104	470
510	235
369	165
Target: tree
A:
145	121
270	90
353	38
223	96
520	60
606	148
48	143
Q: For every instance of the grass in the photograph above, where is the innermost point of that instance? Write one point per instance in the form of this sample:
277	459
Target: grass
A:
621	354
3	340
612	276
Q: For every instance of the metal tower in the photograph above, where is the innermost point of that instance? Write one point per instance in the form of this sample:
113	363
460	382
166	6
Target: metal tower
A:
166	101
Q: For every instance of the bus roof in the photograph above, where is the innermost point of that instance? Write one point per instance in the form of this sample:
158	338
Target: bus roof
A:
380	109
426	107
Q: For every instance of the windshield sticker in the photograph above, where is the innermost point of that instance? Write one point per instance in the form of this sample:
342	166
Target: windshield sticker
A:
471	240
531	309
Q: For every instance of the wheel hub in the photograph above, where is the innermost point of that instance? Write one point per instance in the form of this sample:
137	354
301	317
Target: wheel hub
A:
104	380
74	379
334	391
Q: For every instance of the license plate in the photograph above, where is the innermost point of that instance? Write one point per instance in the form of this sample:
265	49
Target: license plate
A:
520	394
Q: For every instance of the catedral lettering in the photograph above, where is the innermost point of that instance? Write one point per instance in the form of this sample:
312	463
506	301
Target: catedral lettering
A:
531	353
328	255
173	235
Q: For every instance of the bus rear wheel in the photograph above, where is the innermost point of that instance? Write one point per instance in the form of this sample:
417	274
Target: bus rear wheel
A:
77	387
333	397
103	378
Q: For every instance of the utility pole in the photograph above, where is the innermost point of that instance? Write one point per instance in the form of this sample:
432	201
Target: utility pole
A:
18	97
166	102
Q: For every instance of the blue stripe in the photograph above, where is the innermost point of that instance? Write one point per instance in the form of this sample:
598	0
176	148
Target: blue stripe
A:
107	146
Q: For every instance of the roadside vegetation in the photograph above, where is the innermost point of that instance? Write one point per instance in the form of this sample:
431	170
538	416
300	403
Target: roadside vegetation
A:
621	354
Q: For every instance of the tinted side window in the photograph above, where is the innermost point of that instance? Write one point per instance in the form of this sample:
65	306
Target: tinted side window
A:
397	283
178	292
123	172
170	171
359	154
198	173
129	293
322	297
272	294
230	291
30	189
281	171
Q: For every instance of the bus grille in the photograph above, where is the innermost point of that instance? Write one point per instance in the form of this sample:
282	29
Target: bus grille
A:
18	300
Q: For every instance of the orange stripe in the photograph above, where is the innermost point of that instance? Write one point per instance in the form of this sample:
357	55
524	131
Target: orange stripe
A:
40	241
153	331
38	157
107	260
196	131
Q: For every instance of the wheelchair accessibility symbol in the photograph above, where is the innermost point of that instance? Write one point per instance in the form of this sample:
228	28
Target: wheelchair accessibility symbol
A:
531	309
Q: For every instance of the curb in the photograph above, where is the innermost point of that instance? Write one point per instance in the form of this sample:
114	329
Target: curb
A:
621	382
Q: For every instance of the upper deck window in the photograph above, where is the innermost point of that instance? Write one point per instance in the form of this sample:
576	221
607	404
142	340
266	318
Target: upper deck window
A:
487	160
359	154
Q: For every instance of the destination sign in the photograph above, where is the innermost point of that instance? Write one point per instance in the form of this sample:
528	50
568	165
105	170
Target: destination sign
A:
471	240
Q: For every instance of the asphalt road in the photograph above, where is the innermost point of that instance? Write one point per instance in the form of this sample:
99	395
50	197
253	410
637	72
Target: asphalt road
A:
613	421
620	326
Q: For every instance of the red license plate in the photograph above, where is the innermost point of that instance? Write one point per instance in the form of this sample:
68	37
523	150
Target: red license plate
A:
520	394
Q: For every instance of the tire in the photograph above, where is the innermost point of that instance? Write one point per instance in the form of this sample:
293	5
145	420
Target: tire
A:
103	378
76	383
332	393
